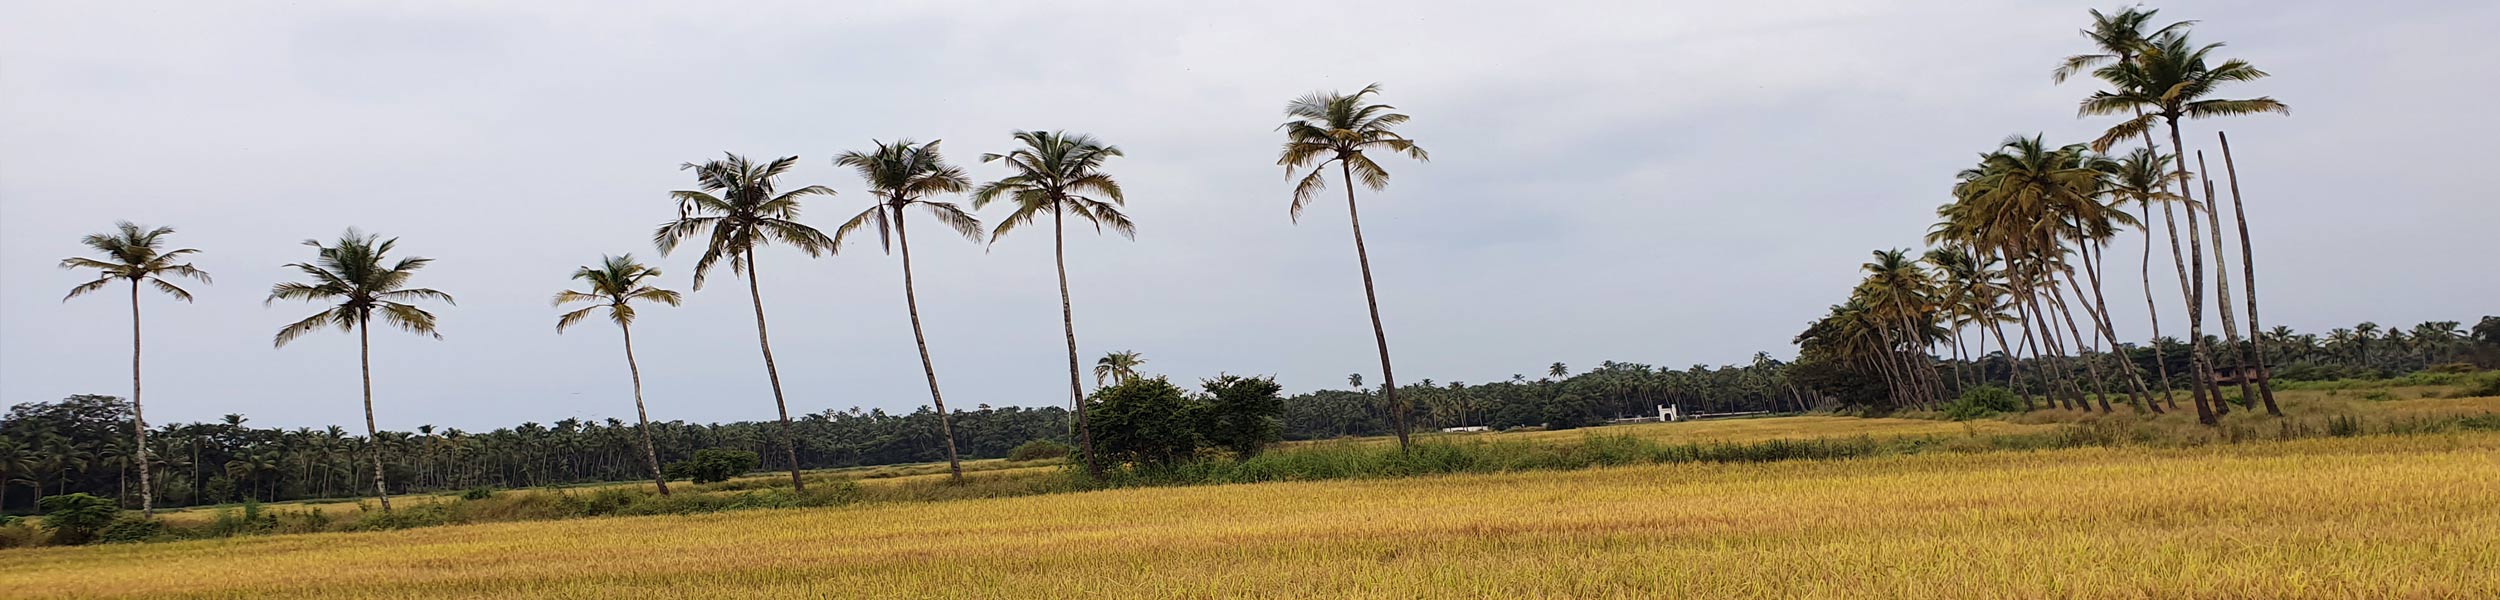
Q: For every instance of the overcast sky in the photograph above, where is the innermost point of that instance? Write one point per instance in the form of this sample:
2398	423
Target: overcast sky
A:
1667	183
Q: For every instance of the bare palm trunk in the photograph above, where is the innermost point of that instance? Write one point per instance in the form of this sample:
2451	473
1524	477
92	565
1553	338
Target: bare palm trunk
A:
373	434
2209	407
2100	387
2099	308
650	452
2161	364
763	339
911	301
1067	323
138	417
1371	299
2256	350
2222	287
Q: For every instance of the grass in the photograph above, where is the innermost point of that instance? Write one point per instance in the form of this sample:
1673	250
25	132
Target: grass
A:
2370	516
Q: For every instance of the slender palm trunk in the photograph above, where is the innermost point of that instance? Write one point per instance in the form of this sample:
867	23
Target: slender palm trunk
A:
373	434
2099	308
763	339
2209	407
2100	386
2255	353
2161	364
1067	323
139	417
2222	287
1371	299
911	301
650	452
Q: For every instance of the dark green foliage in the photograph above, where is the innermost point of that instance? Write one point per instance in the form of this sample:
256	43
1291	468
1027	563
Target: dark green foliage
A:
1146	421
1982	402
2343	426
1241	414
1039	450
132	528
478	493
711	465
77	518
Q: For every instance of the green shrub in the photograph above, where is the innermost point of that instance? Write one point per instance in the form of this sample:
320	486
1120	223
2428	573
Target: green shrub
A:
1039	450
1241	413
712	465
77	518
2378	396
2343	426
478	493
1146	420
132	529
18	533
1982	402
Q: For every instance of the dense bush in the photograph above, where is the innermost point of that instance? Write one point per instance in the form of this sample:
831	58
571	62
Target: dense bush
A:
77	518
711	465
133	528
18	533
1982	402
1039	450
1145	420
1241	414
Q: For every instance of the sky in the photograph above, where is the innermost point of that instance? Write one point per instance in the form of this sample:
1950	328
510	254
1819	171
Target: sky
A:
1664	183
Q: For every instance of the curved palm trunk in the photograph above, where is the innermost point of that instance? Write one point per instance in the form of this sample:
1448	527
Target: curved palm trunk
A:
364	360
1067	323
763	339
650	452
911	302
2209	407
2099	307
2255	352
2222	287
2161	364
1371	299
138	417
2100	385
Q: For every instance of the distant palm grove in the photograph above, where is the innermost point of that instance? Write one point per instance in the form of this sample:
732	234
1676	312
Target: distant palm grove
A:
2009	296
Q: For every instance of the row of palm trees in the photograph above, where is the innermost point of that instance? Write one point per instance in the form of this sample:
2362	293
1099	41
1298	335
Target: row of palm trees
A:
738	207
2033	221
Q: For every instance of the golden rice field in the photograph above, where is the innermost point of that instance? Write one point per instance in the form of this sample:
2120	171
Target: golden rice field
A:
2364	517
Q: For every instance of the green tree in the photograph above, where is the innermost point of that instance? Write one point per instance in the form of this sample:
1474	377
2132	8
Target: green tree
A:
137	255
77	518
1335	127
1147	421
1060	174
357	275
1241	413
902	175
737	210
1118	367
614	285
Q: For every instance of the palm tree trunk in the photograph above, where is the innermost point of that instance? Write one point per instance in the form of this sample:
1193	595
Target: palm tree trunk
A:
373	434
2099	307
1067	323
2100	385
2222	287
2209	407
2161	364
138	416
911	301
1371	299
650	453
2256	350
763	339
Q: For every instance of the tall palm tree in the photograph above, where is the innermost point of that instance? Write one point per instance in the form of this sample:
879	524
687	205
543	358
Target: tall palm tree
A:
2255	353
2116	39
2222	291
1335	127
1119	367
1060	174
2143	178
357	276
137	255
902	175
614	285
736	210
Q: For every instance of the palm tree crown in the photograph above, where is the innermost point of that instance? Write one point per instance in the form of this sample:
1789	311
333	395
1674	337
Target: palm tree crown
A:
736	211
2170	80
1057	173
1333	127
614	285
356	273
2118	37
135	254
901	175
1118	367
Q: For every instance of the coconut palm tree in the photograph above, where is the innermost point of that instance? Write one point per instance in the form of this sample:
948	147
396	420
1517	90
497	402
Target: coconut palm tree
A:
736	210
1060	174
356	274
2254	353
2116	39
614	285
2143	178
137	255
1119	367
902	175
17	463
1335	127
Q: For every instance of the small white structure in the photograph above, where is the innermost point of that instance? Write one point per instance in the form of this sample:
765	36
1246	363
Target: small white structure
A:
1670	413
1467	429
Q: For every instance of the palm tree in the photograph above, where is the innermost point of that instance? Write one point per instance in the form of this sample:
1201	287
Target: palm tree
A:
615	285
1119	367
736	211
2255	353
1060	174
2116	39
137	255
1334	127
17	463
902	175
2142	178
356	276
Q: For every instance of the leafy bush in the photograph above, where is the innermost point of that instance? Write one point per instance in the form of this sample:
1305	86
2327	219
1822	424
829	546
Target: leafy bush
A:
1147	421
712	465
1039	450
18	533
1241	414
1982	402
77	518
478	493
133	529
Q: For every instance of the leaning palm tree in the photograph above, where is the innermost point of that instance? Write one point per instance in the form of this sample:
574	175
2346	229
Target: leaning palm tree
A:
1059	174
1119	367
356	274
1334	127
2143	177
902	175
137	255
737	210
614	285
